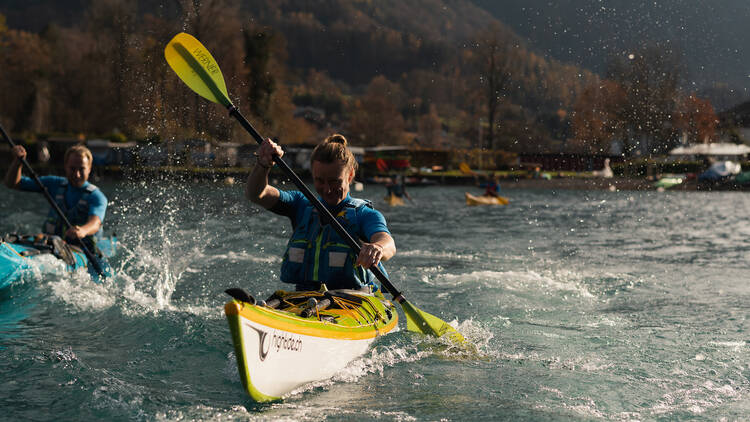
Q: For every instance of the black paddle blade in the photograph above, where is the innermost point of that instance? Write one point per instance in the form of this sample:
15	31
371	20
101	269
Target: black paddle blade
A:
241	295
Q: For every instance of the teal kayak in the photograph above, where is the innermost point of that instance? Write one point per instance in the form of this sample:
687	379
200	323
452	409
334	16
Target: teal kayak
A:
17	254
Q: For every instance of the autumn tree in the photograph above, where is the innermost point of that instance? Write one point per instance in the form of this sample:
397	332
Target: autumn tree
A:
696	117
113	22
375	117
319	90
597	116
430	127
24	81
155	111
217	24
281	120
262	69
650	78
496	57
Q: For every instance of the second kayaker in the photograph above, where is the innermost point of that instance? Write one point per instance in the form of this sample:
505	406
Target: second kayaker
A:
315	253
83	203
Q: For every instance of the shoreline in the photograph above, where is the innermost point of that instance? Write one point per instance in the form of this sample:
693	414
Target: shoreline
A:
572	183
235	175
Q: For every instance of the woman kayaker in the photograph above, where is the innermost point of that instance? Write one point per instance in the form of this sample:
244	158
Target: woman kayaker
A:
83	203
315	253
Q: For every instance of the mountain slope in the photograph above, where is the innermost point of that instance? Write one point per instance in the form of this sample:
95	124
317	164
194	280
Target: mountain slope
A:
711	36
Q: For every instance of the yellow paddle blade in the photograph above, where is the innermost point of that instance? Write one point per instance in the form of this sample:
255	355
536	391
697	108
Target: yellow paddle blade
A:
192	62
421	322
465	168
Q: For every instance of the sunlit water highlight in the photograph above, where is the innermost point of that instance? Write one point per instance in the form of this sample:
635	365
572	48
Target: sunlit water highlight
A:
584	305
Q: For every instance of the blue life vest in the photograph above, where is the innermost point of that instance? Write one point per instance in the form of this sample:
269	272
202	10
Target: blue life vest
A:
78	215
317	254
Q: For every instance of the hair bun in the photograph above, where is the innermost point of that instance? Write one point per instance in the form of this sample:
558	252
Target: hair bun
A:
334	149
336	138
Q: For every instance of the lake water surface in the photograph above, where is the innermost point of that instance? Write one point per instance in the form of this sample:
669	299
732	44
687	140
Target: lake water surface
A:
584	305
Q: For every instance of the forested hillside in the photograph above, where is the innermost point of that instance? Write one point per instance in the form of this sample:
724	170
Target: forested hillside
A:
436	73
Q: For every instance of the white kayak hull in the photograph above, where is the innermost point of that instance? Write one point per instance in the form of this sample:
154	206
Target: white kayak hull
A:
278	352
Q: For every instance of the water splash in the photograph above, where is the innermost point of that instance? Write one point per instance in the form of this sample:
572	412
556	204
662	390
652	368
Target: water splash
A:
161	246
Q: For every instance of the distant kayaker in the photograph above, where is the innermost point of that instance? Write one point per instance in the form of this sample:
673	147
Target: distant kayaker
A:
315	253
492	187
397	187
83	203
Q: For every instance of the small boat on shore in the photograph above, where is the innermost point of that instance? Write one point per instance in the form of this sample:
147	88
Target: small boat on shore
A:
294	338
485	200
667	182
17	253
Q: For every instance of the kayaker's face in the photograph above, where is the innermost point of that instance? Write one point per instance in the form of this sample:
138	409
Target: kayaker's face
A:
77	169
332	180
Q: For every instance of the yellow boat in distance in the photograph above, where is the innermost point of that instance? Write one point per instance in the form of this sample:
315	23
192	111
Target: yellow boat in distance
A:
294	338
485	200
394	200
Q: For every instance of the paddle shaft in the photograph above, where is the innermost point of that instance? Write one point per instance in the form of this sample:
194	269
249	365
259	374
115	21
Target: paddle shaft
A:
197	68
92	259
234	112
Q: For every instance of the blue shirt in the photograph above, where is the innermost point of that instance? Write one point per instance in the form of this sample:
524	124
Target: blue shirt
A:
292	204
97	202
